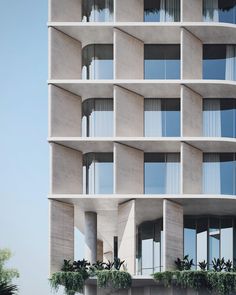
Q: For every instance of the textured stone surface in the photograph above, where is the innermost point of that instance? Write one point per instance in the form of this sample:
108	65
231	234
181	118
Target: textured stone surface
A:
90	234
191	10
129	11
65	10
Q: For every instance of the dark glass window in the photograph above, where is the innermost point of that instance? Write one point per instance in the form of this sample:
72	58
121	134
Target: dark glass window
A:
97	10
161	61
161	10
162	117
219	11
97	61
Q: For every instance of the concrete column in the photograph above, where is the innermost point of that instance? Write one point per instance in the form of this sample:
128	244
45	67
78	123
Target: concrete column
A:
129	173
64	113
127	234
64	56
99	250
90	234
191	56
61	234
191	10
90	290
172	233
66	170
191	112
129	11
64	10
129	112
191	169
128	56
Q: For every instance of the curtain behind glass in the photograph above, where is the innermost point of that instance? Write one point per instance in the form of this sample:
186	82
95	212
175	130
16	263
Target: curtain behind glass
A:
212	118
172	174
211	174
153	117
169	10
210	11
230	71
97	11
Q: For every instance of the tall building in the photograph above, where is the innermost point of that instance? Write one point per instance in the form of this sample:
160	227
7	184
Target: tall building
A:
142	127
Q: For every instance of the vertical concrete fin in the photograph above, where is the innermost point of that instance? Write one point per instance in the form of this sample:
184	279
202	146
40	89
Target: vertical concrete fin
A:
128	56
127	234
61	234
191	10
129	11
172	233
191	56
90	234
99	250
66	170
128	163
65	11
65	113
191	114
64	56
191	169
129	112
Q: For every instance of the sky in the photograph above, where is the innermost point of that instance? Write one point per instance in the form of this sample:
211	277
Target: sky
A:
24	151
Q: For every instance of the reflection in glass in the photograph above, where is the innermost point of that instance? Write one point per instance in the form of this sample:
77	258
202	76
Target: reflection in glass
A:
202	226
97	10
161	61
161	10
214	240
162	117
97	117
219	11
98	173
97	61
161	173
226	241
190	238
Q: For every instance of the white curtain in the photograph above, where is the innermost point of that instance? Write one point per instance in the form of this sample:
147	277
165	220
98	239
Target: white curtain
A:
152	114
211	174
103	118
210	11
169	10
91	177
230	71
212	118
172	174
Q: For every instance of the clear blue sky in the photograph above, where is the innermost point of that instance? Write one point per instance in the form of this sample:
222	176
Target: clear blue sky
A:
23	146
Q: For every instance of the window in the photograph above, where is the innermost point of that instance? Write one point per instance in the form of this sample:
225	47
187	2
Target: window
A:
219	11
97	61
161	10
97	10
161	61
161	173
219	117
97	117
219	62
98	173
162	117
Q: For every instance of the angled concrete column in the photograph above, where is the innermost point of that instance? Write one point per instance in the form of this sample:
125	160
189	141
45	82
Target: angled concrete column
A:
90	234
128	164
128	56
172	233
66	170
127	234
191	169
64	56
129	112
191	112
129	11
191	56
61	234
65	10
99	250
191	10
64	113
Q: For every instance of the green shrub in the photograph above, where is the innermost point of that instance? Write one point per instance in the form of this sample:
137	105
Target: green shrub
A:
114	279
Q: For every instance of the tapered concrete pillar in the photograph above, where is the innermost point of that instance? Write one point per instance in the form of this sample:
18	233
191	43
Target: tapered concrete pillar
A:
191	56
90	234
129	112
65	10
128	56
127	234
61	239
191	112
64	113
129	11
172	233
191	10
191	169
64	56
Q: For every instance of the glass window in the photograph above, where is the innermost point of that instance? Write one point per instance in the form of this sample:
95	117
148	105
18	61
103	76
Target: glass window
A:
162	10
97	117
162	117
97	10
226	241
161	173
202	227
214	240
190	242
98	173
97	61
219	11
161	61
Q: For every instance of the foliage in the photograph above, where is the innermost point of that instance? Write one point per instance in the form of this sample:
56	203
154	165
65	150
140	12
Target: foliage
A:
218	264
184	264
203	265
118	263
67	265
114	279
228	265
6	274
7	289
